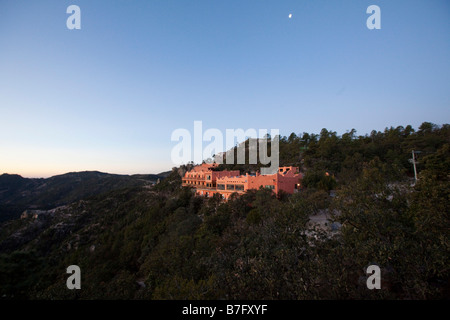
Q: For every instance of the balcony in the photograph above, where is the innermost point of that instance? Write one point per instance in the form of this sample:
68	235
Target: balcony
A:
195	179
205	188
198	184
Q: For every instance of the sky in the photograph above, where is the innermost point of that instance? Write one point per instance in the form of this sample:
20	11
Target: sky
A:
108	96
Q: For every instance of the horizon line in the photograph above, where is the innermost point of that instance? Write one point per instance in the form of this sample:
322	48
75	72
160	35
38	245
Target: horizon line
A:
81	171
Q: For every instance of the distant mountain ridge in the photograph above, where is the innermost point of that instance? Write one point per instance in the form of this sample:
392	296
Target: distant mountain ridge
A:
18	193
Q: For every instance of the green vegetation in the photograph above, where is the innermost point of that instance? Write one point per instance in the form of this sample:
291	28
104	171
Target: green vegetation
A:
165	243
18	194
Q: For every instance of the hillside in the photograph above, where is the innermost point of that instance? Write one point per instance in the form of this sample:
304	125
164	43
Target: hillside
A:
18	194
165	243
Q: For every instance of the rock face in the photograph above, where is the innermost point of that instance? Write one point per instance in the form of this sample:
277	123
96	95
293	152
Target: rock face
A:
36	214
183	169
54	224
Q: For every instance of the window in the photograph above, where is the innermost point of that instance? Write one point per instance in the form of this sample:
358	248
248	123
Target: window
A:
239	187
220	187
230	186
271	187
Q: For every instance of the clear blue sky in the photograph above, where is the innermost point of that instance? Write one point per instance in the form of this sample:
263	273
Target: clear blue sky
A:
107	97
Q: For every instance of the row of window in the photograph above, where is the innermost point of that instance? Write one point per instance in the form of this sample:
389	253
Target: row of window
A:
209	185
193	182
237	187
197	176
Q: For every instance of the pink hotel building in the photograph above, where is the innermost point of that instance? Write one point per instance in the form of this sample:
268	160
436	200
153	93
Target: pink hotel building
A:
208	182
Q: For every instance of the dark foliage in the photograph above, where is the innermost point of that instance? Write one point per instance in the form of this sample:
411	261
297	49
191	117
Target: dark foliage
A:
165	243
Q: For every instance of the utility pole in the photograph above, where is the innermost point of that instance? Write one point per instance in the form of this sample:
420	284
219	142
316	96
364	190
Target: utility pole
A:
413	161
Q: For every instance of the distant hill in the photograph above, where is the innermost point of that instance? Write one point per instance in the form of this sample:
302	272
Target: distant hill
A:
18	194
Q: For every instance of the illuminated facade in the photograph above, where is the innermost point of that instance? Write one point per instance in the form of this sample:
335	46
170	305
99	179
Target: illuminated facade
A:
208	182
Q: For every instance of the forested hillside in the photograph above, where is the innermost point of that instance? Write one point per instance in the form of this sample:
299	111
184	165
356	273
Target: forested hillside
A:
165	243
18	194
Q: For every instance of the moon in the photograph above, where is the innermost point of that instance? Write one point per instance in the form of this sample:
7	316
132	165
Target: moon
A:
290	15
